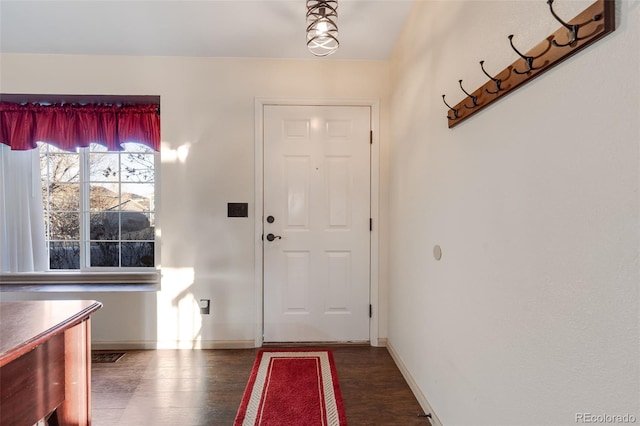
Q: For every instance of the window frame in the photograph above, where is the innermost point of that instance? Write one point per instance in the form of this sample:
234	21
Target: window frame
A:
85	182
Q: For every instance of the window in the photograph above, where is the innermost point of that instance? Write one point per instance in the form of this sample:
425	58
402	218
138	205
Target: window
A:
81	208
99	206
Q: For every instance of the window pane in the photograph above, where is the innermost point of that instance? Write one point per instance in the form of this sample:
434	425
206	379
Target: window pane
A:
64	197
64	225
137	167
51	149
105	254
60	167
137	197
64	255
96	147
104	197
63	168
104	226
136	147
137	226
103	167
138	254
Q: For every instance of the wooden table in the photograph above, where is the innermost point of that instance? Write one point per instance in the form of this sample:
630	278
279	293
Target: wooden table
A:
45	361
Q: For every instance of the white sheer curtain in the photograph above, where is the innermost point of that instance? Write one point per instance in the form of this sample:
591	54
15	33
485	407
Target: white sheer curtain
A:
22	239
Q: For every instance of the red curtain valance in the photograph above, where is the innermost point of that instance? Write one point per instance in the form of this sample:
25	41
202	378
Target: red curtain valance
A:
72	126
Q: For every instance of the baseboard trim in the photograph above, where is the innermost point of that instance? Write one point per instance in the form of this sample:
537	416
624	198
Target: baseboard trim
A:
128	345
151	345
422	399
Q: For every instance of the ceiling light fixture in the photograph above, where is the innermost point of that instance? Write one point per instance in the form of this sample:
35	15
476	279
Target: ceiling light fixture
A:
322	30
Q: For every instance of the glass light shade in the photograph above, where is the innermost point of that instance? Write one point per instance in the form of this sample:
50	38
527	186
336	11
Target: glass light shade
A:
322	30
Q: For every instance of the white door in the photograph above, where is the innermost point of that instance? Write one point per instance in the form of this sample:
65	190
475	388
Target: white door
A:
317	210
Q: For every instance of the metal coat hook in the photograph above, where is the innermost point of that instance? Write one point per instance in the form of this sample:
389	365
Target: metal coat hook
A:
455	111
588	26
474	99
497	81
573	29
528	59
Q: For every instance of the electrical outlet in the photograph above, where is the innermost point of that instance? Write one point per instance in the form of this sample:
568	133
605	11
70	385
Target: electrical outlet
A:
205	306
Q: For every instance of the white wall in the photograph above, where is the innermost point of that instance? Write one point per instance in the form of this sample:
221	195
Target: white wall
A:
531	316
207	108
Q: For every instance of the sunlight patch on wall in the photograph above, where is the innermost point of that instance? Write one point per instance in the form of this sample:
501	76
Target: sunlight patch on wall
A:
178	155
179	321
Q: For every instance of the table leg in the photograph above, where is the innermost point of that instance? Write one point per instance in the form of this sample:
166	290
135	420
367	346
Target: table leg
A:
76	408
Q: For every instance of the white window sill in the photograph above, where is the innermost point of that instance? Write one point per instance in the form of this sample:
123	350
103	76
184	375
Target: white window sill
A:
80	281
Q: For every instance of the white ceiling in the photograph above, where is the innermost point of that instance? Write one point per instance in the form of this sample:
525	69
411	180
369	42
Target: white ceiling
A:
213	28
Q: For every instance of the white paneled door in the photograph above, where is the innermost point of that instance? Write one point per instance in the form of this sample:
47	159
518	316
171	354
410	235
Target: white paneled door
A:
316	223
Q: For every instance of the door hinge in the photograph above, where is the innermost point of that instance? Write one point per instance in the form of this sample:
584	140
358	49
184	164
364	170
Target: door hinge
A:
370	224
370	311
371	137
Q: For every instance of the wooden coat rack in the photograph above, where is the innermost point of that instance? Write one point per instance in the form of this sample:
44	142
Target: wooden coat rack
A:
588	26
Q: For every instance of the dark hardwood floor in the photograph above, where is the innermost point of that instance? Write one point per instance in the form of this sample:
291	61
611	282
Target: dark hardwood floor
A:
204	387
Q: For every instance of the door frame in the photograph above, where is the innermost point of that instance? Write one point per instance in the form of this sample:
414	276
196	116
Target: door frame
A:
260	103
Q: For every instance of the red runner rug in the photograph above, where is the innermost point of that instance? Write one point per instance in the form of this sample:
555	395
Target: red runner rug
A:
292	387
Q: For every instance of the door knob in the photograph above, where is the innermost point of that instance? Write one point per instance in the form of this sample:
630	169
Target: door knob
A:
271	219
271	237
